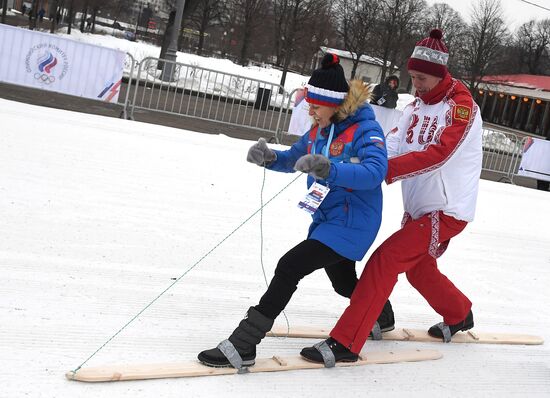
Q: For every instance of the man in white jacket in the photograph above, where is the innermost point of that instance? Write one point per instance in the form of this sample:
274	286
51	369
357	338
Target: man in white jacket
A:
436	151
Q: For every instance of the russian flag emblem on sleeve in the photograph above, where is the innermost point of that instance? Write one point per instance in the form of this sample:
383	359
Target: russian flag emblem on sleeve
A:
378	141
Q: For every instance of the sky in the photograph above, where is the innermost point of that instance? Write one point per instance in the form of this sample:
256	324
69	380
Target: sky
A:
516	12
100	215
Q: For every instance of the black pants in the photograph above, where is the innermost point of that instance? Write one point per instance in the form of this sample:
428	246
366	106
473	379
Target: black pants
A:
302	260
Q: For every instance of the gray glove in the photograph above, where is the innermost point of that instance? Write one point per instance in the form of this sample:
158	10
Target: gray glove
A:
260	154
317	166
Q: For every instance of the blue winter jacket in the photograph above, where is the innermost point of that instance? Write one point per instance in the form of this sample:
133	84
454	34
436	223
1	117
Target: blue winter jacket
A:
349	218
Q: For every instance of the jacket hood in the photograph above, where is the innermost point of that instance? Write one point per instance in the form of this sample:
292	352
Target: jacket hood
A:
359	93
392	77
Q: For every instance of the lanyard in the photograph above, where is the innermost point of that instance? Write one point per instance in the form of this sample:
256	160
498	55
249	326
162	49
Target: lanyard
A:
328	142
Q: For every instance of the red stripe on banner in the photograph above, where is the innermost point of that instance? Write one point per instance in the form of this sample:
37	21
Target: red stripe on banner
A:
114	91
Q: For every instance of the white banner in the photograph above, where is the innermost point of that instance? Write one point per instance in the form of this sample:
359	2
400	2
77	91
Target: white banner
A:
387	117
50	62
300	121
535	161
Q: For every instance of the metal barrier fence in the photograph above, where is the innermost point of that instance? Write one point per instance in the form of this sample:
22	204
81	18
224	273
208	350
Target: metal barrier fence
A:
207	94
129	70
501	152
286	113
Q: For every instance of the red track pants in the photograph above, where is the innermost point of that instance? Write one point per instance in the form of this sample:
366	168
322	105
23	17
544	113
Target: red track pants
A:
410	250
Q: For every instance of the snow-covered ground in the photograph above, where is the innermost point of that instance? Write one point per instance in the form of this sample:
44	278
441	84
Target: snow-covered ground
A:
98	215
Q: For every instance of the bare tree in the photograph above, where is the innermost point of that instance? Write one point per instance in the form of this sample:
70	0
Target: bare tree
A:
355	25
485	37
318	30
33	14
280	10
208	13
454	29
249	14
96	6
53	15
117	8
71	15
400	25
299	13
84	14
533	42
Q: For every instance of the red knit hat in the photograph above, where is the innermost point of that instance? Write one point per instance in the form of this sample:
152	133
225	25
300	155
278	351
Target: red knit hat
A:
430	55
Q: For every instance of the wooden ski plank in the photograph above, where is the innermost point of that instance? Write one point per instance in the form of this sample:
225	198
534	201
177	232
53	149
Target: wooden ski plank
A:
406	334
275	364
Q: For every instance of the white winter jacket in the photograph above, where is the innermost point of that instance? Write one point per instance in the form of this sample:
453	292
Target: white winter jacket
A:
436	151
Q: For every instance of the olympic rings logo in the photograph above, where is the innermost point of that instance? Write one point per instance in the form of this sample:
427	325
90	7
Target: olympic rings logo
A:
44	78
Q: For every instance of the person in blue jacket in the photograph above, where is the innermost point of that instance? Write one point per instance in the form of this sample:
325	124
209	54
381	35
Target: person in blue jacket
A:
345	151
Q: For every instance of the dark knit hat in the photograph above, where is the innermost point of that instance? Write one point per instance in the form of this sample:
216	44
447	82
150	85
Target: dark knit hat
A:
430	55
327	85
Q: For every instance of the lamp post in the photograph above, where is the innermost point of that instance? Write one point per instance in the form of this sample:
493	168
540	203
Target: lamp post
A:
4	10
138	18
171	51
224	43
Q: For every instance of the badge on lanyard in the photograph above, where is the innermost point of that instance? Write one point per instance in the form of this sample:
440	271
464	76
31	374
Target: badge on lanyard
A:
315	196
317	192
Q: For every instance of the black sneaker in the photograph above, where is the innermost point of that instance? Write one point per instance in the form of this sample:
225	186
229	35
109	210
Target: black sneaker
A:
341	353
215	358
466	324
386	321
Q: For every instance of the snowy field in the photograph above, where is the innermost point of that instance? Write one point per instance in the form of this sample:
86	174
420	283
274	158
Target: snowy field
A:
98	215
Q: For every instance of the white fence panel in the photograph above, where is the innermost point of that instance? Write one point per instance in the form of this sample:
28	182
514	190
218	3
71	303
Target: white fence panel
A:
535	162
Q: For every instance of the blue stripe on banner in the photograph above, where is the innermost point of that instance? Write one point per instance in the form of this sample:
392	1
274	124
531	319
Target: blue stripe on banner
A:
324	98
105	90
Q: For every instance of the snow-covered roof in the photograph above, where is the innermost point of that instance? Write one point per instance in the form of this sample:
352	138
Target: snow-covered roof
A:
534	82
521	84
350	55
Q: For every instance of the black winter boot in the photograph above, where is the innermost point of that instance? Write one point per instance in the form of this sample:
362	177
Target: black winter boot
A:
245	337
385	322
444	331
339	353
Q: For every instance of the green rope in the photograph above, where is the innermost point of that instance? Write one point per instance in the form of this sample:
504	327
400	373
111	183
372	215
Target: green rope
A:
262	254
185	273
